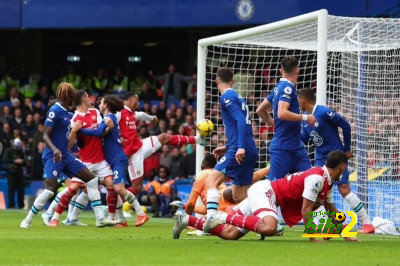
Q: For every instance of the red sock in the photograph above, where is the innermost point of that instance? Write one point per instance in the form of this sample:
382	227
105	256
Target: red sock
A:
65	200
247	222
199	222
112	198
177	140
131	189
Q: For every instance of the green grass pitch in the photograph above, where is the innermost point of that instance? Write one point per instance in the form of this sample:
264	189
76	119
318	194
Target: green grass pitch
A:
152	244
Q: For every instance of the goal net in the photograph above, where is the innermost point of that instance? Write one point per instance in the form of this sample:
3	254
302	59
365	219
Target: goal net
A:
353	64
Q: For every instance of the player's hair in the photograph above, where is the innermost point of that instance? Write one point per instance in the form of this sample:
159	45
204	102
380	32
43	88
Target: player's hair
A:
208	162
289	64
225	74
79	97
307	94
335	158
114	103
128	95
65	92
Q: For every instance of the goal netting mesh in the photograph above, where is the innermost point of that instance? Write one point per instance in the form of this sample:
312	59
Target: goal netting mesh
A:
363	85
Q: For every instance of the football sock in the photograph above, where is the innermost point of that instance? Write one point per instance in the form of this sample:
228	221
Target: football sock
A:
247	222
72	203
38	204
177	140
53	205
129	197
199	222
64	202
356	204
119	211
80	205
212	201
112	198
94	196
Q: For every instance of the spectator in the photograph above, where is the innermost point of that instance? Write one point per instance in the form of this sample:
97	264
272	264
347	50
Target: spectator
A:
119	82
176	164
14	158
17	120
28	129
43	95
189	161
37	163
173	84
161	192
165	157
6	115
5	136
147	94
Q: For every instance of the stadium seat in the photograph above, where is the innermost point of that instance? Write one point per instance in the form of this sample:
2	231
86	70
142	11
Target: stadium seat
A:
3	103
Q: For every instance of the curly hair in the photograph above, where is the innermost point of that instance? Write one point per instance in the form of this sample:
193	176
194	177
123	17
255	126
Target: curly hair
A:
66	93
114	103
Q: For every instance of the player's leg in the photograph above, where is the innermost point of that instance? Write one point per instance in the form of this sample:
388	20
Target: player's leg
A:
213	181
281	164
179	140
50	174
355	203
302	161
65	199
80	205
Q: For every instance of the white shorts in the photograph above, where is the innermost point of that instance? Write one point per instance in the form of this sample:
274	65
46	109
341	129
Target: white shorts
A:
262	199
135	167
100	170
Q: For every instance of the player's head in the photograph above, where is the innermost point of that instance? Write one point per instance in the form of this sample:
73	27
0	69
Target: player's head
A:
336	163
306	97
112	103
66	93
82	98
131	100
208	162
224	75
289	66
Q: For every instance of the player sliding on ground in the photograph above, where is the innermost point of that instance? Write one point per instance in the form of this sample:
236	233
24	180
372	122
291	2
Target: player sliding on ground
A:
297	194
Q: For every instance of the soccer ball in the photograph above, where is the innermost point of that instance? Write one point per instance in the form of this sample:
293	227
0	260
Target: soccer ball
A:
340	217
205	127
126	207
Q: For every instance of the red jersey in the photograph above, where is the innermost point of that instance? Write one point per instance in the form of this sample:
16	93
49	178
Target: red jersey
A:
127	127
92	152
314	184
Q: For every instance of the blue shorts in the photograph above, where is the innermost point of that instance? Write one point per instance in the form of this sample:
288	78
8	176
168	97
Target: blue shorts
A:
119	169
284	162
241	174
69	166
344	179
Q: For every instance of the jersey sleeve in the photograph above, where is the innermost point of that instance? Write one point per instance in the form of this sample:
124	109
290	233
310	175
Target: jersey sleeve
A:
336	119
142	116
51	118
94	132
329	198
270	96
99	118
286	94
313	185
118	116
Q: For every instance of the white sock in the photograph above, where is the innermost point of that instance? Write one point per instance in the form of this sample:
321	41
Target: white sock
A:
54	203
80	204
71	204
38	204
356	204
94	196
212	201
129	197
119	211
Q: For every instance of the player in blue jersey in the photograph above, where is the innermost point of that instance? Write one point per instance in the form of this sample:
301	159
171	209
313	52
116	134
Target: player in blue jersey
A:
287	153
113	152
238	157
325	136
57	158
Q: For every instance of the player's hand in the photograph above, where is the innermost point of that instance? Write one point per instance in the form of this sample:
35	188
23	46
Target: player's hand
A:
155	120
109	122
348	154
77	126
311	119
57	156
219	152
351	239
121	140
240	154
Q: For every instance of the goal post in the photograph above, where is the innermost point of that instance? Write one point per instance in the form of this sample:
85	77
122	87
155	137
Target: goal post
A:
353	64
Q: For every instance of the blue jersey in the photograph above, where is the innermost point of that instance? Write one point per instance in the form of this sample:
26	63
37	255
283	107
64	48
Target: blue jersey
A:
287	134
324	134
237	122
58	118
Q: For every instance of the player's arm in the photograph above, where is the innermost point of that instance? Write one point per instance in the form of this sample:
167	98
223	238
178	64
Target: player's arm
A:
263	111
191	203
241	122
305	134
57	156
259	174
313	185
339	121
103	129
285	114
142	116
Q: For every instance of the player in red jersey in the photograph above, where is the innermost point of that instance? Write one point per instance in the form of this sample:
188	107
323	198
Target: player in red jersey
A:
136	149
297	194
91	154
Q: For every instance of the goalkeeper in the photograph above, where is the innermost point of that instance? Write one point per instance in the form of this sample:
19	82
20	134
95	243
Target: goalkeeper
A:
326	138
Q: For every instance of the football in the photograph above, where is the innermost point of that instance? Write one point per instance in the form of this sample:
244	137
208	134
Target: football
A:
205	127
340	217
126	207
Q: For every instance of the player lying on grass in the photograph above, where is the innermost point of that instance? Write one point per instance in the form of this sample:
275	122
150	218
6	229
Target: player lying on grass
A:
297	194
